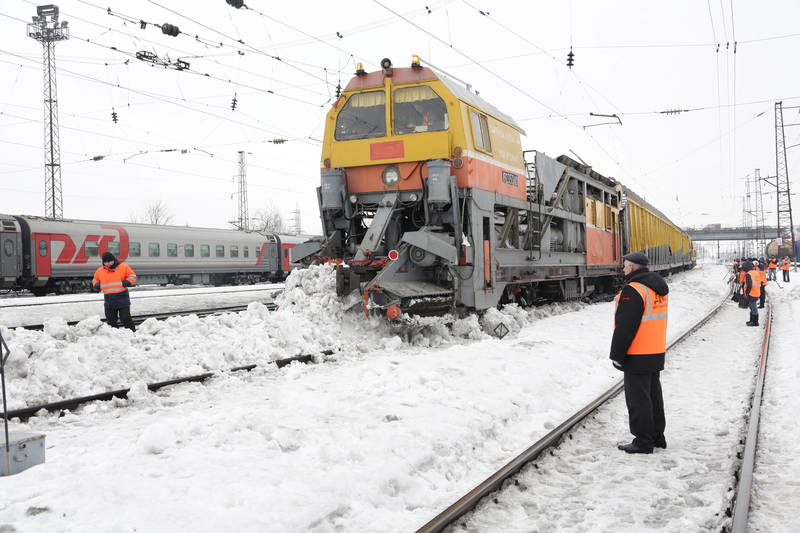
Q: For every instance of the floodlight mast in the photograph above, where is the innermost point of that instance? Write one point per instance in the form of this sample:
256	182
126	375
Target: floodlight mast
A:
47	29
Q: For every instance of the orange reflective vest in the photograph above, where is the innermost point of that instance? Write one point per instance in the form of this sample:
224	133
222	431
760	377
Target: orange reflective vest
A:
785	264
651	337
755	283
773	264
110	280
741	276
763	275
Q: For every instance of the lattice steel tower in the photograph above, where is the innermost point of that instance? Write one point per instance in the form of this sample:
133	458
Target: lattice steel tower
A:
785	222
46	29
243	218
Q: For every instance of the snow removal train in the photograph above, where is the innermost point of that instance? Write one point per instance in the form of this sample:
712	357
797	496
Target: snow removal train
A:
429	205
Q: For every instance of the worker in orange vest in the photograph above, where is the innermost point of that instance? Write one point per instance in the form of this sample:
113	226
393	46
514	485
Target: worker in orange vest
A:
773	268
752	291
761	267
113	279
785	268
638	348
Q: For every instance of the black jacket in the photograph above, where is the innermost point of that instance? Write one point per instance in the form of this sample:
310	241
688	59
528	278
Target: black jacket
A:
629	317
117	300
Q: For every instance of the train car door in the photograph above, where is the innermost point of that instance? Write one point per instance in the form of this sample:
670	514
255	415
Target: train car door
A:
41	249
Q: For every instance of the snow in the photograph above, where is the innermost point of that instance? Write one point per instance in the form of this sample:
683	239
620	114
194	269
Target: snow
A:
381	438
776	489
589	485
21	311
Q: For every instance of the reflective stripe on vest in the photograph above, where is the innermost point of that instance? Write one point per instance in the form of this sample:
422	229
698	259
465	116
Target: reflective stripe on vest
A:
651	337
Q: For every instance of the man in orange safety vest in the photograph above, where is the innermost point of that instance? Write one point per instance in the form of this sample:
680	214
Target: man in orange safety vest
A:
638	348
113	279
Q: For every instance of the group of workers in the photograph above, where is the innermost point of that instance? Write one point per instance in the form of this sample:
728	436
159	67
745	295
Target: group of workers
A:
752	276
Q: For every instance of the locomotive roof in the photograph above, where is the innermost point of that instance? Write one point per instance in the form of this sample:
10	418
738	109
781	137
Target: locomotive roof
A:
411	75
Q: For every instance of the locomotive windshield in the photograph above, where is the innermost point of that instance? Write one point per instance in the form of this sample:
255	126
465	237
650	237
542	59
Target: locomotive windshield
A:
362	117
418	109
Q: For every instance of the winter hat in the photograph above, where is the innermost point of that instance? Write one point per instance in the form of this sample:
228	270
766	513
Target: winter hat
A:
637	257
108	256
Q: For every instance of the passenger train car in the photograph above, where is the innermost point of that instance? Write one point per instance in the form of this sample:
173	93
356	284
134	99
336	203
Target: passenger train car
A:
429	204
46	255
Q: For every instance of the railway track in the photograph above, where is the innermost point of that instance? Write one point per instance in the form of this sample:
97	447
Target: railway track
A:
738	506
23	414
138	319
139	295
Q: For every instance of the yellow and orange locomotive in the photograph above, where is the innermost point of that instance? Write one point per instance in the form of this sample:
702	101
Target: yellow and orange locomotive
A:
429	205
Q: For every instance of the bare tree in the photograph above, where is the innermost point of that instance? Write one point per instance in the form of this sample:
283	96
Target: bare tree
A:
268	220
155	213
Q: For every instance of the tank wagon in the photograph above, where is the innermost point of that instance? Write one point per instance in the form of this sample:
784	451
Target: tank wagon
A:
46	255
429	204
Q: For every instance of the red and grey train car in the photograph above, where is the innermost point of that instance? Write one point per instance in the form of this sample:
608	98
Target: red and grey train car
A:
46	255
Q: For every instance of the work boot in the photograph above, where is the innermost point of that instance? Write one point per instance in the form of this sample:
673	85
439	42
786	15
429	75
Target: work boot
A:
753	320
633	448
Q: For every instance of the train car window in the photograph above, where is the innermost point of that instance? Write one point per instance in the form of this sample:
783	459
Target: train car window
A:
43	248
220	250
418	109
480	131
113	247
188	250
362	117
205	250
135	249
172	249
246	251
8	247
154	249
234	250
91	249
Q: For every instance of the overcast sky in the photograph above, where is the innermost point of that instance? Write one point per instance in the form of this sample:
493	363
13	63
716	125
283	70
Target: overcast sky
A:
632	58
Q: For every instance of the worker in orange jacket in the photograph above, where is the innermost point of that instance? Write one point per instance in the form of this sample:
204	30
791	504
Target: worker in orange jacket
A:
113	279
773	268
762	273
785	268
752	291
638	348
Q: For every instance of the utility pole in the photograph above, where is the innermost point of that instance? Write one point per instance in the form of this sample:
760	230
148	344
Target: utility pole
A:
242	221
747	217
298	228
46	29
761	235
785	222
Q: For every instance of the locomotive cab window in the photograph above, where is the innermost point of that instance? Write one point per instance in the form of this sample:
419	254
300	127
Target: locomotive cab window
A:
188	250
154	249
205	250
418	109
135	249
172	249
480	131
362	117
91	249
113	247
234	250
220	250
43	248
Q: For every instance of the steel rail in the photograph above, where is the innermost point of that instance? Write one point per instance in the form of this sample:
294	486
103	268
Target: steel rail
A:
136	296
741	501
138	319
493	483
25	413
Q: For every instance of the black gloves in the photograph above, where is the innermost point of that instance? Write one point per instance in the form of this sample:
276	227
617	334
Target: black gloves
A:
126	283
96	288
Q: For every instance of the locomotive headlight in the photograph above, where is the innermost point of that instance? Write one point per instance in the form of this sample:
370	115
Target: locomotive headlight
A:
412	197
390	176
353	198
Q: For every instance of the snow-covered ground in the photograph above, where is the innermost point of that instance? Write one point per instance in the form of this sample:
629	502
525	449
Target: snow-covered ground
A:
23	311
776	479
379	439
589	485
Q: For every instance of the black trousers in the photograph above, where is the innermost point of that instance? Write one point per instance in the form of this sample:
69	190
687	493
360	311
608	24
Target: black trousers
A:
645	408
763	297
121	313
786	275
